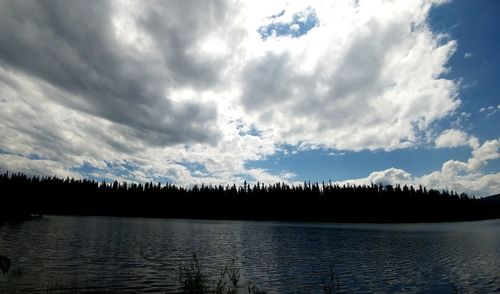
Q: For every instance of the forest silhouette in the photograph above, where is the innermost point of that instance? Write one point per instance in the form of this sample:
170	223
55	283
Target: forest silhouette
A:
23	197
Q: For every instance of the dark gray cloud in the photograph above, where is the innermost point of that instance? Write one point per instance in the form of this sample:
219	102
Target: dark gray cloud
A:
72	46
268	81
179	38
360	70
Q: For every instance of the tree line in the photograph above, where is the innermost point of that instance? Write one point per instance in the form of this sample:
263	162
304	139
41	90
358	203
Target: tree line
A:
24	196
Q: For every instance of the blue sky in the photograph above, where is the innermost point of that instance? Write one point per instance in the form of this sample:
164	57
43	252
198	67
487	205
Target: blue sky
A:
349	91
474	25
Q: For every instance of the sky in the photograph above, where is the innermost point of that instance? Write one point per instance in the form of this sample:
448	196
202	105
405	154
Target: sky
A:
223	91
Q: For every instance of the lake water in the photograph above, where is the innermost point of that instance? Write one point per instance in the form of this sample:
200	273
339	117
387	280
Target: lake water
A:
144	255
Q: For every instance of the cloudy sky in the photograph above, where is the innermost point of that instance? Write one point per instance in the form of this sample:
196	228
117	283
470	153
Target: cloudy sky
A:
226	91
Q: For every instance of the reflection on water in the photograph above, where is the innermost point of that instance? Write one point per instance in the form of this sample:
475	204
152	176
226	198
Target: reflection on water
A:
144	255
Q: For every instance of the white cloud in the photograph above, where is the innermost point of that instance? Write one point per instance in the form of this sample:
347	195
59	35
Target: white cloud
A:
490	110
391	176
485	152
294	27
455	138
15	163
454	175
376	91
465	114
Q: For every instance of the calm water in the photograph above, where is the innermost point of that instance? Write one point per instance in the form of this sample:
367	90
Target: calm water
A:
144	255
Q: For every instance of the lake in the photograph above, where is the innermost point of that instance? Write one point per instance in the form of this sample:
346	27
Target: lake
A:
130	255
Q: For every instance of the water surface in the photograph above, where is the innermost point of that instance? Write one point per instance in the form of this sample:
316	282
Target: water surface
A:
144	255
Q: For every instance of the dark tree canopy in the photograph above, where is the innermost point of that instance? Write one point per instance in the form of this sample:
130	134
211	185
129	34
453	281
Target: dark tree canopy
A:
23	196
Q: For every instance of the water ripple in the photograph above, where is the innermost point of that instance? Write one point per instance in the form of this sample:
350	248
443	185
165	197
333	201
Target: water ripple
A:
144	255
